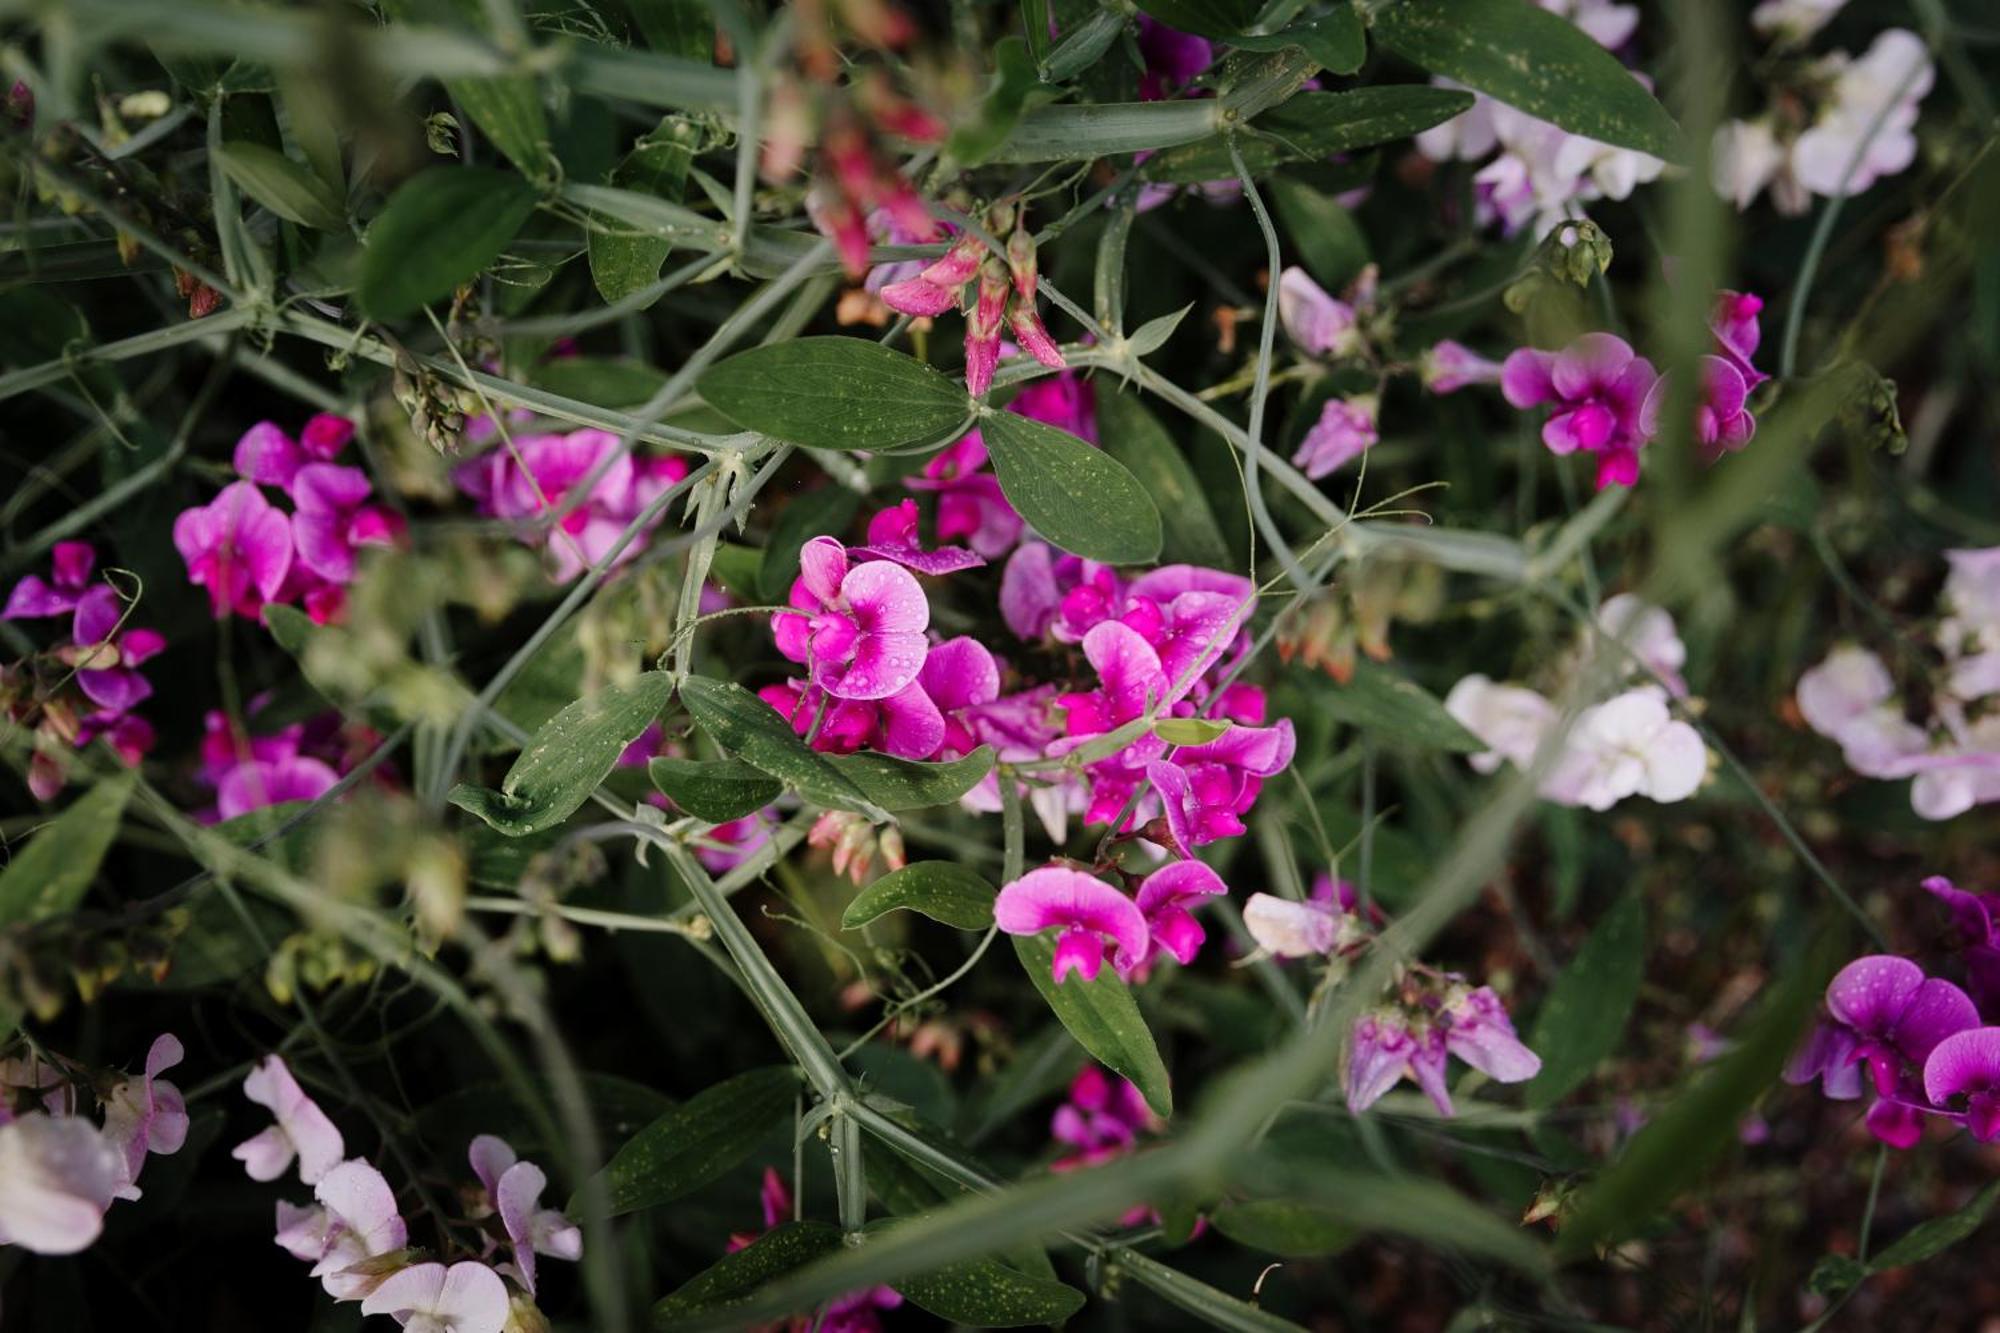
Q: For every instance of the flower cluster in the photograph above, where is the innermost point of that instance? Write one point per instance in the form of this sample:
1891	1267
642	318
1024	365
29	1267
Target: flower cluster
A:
1850	697
357	1241
248	553
1836	128
1003	298
594	487
250	770
1928	1049
1101	1119
1631	744
1429	1017
1325	326
59	1173
86	686
856	1312
1536	174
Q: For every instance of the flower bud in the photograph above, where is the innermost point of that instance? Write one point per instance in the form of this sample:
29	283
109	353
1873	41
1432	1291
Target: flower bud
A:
1034	338
1021	263
982	330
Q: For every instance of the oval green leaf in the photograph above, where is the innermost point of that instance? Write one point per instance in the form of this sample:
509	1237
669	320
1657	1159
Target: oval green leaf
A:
50	875
1311	127
734	1277
717	790
571	753
1209	18
1190	730
984	1293
1335	39
1584	1016
752	730
836	393
1079	498
285	187
697	1141
622	261
1103	1017
1533	61
440	228
904	784
1289	1228
941	890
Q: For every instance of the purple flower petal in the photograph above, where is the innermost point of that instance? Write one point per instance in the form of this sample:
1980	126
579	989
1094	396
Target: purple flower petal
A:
1870	994
1525	378
960	673
911	725
268	456
33	599
97	612
1967	1065
822	566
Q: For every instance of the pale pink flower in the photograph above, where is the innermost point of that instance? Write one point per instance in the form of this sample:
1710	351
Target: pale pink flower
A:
301	1130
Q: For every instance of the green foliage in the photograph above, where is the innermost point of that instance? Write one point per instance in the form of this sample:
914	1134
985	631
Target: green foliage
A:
837	393
1581	1021
941	890
441	228
571	753
50	875
1074	495
697	1141
717	790
1104	1018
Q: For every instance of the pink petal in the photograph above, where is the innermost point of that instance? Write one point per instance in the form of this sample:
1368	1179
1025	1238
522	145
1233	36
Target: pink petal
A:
1058	896
960	673
357	1195
32	599
491	1155
1525	378
1029	596
912	727
1593	360
520	1193
886	599
325	435
919	297
329	488
72	563
266	454
822	567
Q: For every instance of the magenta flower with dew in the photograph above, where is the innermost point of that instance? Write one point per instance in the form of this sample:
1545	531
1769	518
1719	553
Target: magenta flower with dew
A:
238	547
1966	1065
892	535
1345	430
1389	1045
147	1114
1206	789
468	1297
301	1130
1089	913
906	724
514	1188
1449	366
33	598
971	506
265	454
863	636
1596	389
360	1222
960	676
1130	679
58	1176
1977	916
1318	324
1167	898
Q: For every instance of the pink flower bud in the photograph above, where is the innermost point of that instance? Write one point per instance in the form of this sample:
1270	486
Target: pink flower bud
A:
1021	263
918	297
1028	331
982	330
957	265
21	106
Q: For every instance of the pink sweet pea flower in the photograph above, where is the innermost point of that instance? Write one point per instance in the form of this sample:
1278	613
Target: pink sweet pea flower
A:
1387	1046
1088	911
238	547
258	783
1207	788
960	676
1167	897
1345	430
58	1175
1978	919
111	679
1065	400
332	520
1597	388
1478	1031
936	289
267	455
1320	325
1733	321
1173	59
864	636
302	1129
906	724
552	467
361	1222
1103	1113
147	1114
1450	366
971	506
1967	1064
32	598
468	1297
514	1189
1722	422
892	535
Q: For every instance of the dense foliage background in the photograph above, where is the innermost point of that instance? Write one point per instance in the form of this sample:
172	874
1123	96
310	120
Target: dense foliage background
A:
387	809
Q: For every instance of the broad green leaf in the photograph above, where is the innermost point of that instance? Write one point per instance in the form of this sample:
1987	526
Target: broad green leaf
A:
1252	82
1401	711
905	784
1534	61
1014	80
1330	242
941	890
734	1277
752	730
571	753
1940	1233
717	790
1287	1227
440	228
824	512
1310	128
1584	1016
676	27
508	110
1213	1308
1134	436
1070	133
1079	498
698	1140
605	381
50	874
836	393
622	262
315	122
1208	18
288	189
1103	1017
1335	39
984	1293
1190	730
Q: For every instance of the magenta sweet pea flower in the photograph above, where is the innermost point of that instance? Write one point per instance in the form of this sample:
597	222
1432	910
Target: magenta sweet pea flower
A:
906	724
1597	389
1450	366
238	547
1173	58
1064	400
1089	913
1103	1112
1387	1046
1722	422
1206	789
892	535
301	1131
971	506
58	1175
1167	898
1977	916
936	288
863	636
468	1297
267	455
1345	430
514	1188
332	519
1967	1065
147	1114
1733	321
32	598
960	677
551	467
111	679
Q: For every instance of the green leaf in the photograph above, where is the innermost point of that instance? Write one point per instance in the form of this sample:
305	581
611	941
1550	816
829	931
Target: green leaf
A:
622	262
571	753
1134	436
941	890
1081	46
1190	730
984	1293
1014	79
836	393
697	1141
735	1277
1289	1228
605	381
1584	1016
50	874
1071	133
824	512
288	189
1079	498
1310	128
751	729
1940	1233
1103	1017
683	28
440	228
905	784
1207	18
1534	61
1330	242
1403	712
508	109
1335	39
1216	1309
717	790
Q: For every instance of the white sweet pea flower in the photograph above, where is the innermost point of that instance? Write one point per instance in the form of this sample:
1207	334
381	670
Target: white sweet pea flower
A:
1286	928
1866	127
430	1298
1745	157
1630	745
1793	21
1510	719
1851	682
58	1174
1970	632
1649	632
